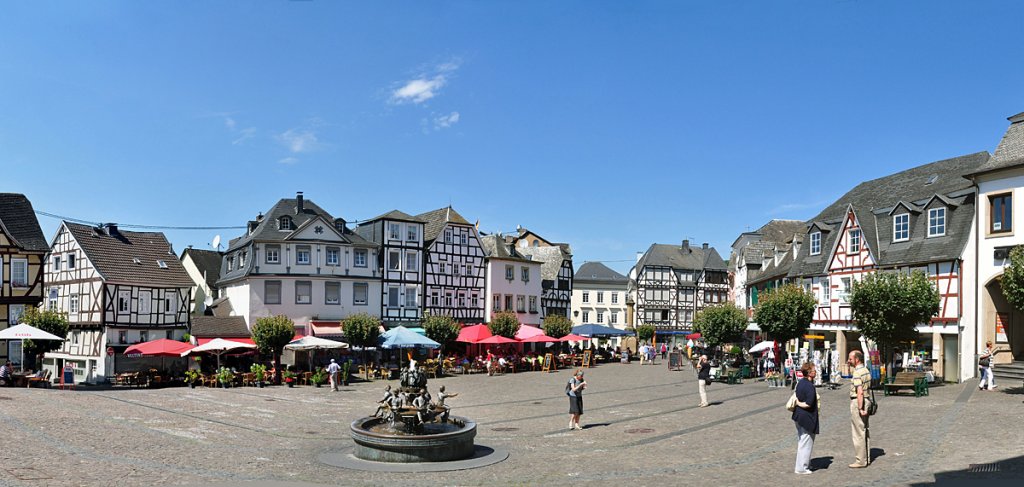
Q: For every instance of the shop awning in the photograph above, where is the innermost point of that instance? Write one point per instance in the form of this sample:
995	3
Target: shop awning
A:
323	328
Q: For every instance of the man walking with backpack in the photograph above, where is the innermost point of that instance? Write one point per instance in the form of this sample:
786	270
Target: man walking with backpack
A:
859	409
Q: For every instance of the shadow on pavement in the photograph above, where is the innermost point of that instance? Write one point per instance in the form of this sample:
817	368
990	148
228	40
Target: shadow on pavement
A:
821	463
1004	472
876	452
595	425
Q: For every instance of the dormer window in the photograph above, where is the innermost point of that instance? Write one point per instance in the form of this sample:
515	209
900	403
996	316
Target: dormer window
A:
901	227
936	222
854	241
285	223
816	243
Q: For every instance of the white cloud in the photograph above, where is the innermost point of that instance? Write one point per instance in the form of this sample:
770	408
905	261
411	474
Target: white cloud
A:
229	123
244	134
426	85
288	161
445	121
298	140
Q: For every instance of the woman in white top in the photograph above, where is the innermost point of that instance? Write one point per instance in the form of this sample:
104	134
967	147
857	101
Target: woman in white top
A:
985	363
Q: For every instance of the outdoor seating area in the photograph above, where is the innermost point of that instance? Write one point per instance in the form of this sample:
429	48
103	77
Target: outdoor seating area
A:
916	381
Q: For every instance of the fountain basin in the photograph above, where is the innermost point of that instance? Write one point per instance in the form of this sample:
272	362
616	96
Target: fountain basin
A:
438	443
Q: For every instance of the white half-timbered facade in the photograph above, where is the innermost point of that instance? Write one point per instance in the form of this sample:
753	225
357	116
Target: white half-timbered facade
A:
401	264
22	252
671	284
300	262
117	288
921	219
455	270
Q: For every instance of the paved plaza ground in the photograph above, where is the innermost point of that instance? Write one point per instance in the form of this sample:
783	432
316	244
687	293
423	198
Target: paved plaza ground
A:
642	427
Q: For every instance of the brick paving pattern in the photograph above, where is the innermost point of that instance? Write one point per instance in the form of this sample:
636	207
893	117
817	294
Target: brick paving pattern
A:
642	427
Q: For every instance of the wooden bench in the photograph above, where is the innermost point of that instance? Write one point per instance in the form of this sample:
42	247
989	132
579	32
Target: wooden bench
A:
907	380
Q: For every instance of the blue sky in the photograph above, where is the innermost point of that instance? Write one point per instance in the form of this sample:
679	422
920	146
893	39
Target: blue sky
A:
608	125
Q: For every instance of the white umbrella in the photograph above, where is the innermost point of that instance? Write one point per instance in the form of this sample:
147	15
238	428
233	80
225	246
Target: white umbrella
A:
26	332
314	343
760	347
217	346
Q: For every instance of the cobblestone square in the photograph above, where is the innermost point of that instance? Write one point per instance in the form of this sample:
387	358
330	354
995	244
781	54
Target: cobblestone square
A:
642	427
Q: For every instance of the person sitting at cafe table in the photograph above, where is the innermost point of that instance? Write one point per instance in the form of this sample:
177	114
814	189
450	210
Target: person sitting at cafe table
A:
6	372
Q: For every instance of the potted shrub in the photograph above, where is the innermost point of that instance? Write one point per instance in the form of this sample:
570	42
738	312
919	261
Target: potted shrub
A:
224	376
319	376
191	377
289	377
259	371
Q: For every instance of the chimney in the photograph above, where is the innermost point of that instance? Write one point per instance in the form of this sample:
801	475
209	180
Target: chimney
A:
299	203
252	226
704	246
686	245
339	224
259	217
110	229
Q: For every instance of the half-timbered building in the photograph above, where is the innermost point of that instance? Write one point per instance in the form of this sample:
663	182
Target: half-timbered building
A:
303	263
400	261
455	271
670	284
117	288
22	252
557	273
921	219
513	281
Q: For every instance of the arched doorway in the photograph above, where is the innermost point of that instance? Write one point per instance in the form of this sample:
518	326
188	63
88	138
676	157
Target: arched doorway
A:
996	310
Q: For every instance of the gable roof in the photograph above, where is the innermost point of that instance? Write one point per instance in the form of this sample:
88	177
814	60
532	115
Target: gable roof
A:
393	215
597	272
18	221
916	186
696	258
207	262
550	257
1010	152
437	219
266	229
219	327
495	247
114	256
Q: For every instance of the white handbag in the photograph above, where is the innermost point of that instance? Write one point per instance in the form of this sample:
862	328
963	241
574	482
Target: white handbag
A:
791	403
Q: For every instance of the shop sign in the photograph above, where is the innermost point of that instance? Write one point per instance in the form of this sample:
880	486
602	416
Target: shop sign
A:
814	337
1001	320
110	351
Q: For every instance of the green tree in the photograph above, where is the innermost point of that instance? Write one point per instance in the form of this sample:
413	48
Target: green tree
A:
644	333
505	324
1012	280
784	313
271	334
720	324
557	326
441	329
53	322
362	330
888	306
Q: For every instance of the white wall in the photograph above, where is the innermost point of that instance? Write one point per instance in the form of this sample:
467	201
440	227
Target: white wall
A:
593	307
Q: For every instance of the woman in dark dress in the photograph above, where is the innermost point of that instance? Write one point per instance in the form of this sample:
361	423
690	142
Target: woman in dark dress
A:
575	391
806	418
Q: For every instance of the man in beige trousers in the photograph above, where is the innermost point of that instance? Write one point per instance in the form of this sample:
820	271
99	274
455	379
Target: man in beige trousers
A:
858	409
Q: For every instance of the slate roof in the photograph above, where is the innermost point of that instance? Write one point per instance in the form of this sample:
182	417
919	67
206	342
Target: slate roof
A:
219	327
872	200
18	221
551	258
772	271
755	252
1010	152
267	227
678	258
436	221
495	247
113	256
597	272
208	263
395	215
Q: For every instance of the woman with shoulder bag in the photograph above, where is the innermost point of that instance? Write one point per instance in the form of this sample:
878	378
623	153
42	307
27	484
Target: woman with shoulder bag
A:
805	415
985	364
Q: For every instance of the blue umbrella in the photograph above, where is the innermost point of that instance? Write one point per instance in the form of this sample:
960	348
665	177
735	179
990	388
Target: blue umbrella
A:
402	337
592	330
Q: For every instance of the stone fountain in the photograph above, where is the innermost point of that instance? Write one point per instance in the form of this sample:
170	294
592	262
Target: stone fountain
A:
410	427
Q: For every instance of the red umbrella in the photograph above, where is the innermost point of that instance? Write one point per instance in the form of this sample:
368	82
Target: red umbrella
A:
473	334
542	338
159	348
573	338
498	340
